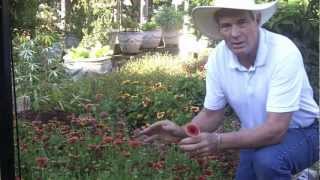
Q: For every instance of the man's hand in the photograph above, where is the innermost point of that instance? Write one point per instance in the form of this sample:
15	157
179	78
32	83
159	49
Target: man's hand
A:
166	131
202	145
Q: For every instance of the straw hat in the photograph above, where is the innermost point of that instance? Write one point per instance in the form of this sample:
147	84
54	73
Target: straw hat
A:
203	16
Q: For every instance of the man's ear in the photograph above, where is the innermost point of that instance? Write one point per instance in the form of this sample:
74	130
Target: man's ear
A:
258	18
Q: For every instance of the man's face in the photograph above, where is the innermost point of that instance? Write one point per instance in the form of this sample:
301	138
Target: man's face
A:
239	29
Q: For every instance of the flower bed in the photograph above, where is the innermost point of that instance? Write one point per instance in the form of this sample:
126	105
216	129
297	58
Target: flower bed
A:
91	136
84	148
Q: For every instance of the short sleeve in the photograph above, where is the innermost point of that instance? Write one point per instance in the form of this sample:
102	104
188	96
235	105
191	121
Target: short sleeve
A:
215	98
286	85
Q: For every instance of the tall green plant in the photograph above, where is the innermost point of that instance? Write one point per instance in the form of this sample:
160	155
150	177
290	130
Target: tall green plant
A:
92	21
169	18
299	20
37	67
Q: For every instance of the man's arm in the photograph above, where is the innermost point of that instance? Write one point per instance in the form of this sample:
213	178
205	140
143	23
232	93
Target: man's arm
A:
209	120
271	132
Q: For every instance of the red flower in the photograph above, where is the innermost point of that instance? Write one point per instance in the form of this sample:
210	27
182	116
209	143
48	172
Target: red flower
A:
134	143
207	172
157	165
107	139
42	162
192	130
118	141
202	177
203	162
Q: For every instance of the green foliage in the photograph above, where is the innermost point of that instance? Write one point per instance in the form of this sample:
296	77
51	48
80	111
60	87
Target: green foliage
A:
80	53
24	14
129	23
37	67
34	16
299	20
155	88
169	18
149	26
92	21
103	51
148	89
47	18
130	15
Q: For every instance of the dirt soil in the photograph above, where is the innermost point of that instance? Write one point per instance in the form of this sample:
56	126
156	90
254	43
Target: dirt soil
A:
46	116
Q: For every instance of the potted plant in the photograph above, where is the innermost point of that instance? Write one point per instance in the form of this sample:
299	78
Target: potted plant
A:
170	21
80	61
130	39
151	34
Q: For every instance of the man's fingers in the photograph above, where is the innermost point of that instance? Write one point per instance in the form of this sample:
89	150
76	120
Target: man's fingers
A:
205	151
141	137
191	147
167	127
151	138
153	127
190	140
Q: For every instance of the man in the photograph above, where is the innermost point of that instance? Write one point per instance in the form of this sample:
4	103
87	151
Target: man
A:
260	74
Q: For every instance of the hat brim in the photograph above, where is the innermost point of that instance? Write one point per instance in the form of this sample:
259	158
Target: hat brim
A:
204	20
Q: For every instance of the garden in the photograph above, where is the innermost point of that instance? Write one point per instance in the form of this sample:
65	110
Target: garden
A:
78	120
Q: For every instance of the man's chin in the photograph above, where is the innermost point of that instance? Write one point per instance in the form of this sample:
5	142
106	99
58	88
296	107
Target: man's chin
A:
239	51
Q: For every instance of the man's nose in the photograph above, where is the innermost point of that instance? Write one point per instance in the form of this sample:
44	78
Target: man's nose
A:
235	31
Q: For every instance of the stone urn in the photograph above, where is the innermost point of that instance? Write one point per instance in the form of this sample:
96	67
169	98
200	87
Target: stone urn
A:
170	37
151	39
130	42
87	66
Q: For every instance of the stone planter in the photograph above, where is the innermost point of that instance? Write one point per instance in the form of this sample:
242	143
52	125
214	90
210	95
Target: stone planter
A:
87	66
130	42
112	37
151	39
171	37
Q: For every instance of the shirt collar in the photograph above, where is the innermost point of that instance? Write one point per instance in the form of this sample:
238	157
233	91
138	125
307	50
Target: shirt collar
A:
261	54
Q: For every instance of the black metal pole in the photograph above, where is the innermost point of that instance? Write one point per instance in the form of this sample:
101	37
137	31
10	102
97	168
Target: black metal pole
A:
6	113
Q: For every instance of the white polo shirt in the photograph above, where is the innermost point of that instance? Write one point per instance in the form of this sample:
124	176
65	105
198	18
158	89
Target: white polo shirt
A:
276	83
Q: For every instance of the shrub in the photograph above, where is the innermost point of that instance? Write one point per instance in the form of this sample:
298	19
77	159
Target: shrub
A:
149	26
37	64
169	18
82	53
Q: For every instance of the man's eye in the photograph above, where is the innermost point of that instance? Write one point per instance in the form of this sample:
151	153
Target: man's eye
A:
242	22
225	26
